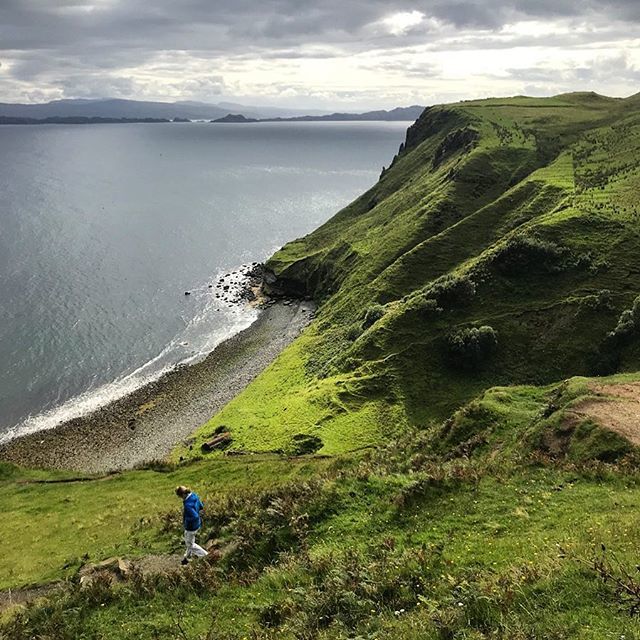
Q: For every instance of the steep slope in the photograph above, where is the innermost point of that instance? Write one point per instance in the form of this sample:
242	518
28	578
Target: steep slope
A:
498	248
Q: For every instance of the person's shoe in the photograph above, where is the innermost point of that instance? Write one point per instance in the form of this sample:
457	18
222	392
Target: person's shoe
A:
184	562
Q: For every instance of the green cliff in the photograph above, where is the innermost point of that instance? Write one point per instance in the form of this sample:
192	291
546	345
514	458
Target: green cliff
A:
517	215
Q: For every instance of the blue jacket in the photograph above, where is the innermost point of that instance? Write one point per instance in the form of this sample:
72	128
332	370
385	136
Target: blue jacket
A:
191	514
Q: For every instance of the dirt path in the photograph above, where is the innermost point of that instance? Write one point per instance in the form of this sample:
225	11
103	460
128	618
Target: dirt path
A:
148	565
17	597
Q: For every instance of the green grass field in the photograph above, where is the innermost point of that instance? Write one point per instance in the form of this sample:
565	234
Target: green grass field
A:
52	525
516	214
468	529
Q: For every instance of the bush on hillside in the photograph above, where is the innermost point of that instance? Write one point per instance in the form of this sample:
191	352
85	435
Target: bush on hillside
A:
606	358
628	324
372	315
522	254
601	301
354	332
469	348
451	291
428	308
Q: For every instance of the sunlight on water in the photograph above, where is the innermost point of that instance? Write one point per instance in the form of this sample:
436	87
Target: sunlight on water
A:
103	228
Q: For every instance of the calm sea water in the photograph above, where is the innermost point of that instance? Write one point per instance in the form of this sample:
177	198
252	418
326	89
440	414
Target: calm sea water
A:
103	228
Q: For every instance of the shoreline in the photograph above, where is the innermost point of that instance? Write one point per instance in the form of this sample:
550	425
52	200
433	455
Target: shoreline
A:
147	424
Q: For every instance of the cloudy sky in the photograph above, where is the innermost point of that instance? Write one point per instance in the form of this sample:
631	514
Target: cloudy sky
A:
351	54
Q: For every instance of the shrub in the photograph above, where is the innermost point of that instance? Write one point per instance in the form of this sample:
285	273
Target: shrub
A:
606	358
628	324
601	301
428	308
522	254
451	291
469	348
372	315
354	332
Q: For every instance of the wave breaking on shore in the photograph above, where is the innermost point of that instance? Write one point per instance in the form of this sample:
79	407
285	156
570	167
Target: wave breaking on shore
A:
224	309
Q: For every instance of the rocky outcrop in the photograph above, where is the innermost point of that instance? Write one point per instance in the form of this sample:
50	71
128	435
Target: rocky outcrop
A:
110	570
458	140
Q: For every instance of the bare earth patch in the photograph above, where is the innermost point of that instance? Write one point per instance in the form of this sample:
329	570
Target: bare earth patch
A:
118	569
617	408
17	597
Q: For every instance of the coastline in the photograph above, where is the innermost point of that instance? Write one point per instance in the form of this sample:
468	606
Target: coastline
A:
148	423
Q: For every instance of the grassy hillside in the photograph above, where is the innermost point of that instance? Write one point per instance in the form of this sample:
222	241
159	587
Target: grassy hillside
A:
69	520
467	493
511	520
520	215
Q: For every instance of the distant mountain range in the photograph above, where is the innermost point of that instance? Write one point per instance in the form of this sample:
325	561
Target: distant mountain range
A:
82	120
112	109
398	114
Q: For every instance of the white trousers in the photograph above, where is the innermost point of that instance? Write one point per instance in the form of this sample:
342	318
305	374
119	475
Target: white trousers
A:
191	547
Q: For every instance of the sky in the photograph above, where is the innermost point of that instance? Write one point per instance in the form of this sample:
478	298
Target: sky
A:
325	54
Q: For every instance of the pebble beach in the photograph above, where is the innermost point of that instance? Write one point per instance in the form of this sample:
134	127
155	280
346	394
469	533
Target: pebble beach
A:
147	424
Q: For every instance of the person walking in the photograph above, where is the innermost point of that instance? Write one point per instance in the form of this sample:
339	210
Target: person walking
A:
191	508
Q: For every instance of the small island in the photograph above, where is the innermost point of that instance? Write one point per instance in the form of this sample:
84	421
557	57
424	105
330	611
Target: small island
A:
234	118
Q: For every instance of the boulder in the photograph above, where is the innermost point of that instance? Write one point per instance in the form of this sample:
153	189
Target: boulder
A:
114	569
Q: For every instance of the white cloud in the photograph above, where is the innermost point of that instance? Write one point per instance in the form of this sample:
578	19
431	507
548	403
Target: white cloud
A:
399	23
331	53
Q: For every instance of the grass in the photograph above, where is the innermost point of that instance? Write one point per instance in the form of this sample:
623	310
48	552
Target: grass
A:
463	501
474	179
423	538
69	523
282	404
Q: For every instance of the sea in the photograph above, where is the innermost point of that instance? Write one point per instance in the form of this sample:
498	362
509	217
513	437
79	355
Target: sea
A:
104	227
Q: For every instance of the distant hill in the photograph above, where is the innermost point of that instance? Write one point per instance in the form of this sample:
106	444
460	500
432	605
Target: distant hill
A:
407	114
181	111
399	114
235	118
83	120
110	108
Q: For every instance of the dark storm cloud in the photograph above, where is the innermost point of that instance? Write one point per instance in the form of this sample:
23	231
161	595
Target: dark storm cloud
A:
232	25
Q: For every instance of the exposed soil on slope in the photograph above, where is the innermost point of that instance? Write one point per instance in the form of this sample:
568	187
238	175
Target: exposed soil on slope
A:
117	569
616	408
18	597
